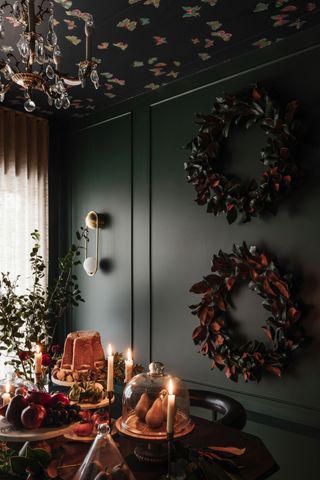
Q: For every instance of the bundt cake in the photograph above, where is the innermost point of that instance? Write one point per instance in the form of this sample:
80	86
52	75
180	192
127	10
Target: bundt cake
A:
83	350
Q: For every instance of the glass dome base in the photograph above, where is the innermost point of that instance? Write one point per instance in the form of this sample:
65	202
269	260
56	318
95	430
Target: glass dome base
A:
134	427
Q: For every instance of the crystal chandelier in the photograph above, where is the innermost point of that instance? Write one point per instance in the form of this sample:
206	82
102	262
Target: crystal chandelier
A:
38	67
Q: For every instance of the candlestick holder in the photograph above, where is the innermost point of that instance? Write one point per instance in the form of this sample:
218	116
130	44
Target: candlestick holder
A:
41	381
109	397
170	452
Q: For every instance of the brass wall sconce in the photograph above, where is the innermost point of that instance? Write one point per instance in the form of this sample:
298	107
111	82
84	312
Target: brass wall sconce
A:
94	221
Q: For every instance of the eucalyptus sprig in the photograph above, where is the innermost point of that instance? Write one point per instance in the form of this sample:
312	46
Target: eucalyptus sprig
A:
32	317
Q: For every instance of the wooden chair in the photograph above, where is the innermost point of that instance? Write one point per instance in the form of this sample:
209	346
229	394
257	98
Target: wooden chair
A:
233	413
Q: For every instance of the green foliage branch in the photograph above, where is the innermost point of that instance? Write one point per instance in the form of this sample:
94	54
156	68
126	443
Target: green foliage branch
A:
32	317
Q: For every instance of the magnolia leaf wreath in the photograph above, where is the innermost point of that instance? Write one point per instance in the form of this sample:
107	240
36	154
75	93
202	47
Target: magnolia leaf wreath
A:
283	327
228	194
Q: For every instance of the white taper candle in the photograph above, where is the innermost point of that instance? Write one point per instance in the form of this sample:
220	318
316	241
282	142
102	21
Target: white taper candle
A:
171	407
110	370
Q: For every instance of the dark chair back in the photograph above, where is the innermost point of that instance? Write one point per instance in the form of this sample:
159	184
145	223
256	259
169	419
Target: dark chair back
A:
233	413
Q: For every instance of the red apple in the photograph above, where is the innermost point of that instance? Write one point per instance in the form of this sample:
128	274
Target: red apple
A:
58	397
40	398
83	429
33	416
99	418
85	415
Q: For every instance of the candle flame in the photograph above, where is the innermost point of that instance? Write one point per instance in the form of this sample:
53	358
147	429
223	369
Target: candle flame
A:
8	387
129	355
170	387
38	349
109	350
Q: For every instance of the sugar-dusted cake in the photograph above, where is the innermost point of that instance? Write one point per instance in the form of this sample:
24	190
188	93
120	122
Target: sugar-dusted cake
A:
82	353
82	350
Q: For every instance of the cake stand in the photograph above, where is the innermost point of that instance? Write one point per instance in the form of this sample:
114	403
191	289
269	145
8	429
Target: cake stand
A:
8	433
61	383
95	406
153	448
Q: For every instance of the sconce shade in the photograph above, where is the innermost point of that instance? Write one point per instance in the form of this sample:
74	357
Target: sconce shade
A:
90	265
94	221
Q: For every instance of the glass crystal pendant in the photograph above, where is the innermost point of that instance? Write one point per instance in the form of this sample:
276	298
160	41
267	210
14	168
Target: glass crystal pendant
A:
23	47
58	103
95	78
50	72
1	24
17	10
81	77
29	105
52	38
66	102
40	55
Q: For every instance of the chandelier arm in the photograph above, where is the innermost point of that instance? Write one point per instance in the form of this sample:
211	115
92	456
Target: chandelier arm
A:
6	4
70	81
42	11
11	55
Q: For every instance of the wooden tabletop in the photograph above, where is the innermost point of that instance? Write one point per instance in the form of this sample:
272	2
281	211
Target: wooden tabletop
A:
258	462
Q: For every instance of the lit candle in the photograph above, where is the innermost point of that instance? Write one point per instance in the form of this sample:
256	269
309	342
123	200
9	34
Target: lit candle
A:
38	361
6	396
128	367
110	370
171	407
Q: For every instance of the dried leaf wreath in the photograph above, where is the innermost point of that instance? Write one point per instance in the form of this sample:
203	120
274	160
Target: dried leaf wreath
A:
283	327
229	194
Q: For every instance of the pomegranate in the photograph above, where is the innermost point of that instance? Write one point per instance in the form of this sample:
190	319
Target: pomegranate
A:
58	398
40	398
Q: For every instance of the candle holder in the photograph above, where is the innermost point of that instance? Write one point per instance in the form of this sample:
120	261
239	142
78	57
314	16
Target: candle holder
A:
109	397
170	452
41	381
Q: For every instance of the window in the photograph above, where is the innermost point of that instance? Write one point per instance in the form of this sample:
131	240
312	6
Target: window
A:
23	192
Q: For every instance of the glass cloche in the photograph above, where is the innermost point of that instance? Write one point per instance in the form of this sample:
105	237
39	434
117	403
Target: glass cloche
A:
145	405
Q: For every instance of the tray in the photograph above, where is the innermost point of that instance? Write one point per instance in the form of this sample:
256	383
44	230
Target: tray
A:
138	429
77	438
8	433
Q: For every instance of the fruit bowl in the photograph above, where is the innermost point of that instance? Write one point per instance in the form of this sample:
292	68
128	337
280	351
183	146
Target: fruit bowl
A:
8	433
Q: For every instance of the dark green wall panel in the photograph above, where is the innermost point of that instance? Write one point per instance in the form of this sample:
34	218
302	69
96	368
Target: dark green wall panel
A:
101	181
159	242
184	236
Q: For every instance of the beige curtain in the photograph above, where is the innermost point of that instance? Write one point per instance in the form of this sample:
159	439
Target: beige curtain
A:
23	194
23	190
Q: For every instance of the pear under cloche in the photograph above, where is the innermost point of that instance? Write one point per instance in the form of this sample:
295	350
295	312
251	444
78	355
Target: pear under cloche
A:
145	404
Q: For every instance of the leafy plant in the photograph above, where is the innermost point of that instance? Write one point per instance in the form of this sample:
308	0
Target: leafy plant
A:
32	317
29	463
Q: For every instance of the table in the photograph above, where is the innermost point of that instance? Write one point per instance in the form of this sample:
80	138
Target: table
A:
258	462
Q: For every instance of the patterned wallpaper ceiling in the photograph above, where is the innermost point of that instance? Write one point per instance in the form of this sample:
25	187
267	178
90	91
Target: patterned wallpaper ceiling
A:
141	45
